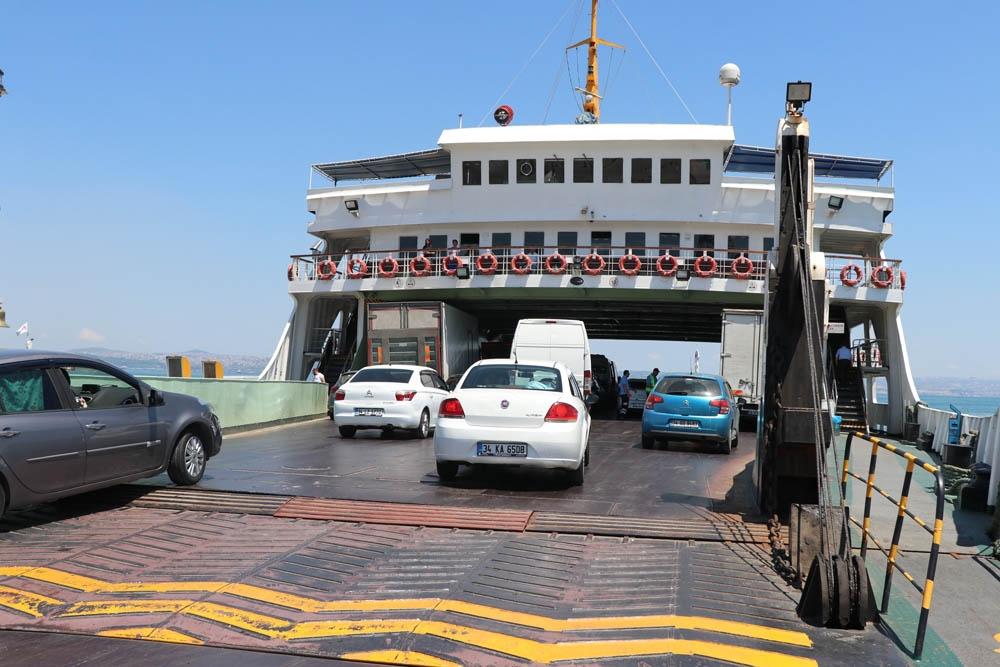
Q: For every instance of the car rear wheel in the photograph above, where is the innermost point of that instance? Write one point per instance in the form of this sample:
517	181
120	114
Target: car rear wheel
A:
3	501
576	476
347	431
586	456
736	438
424	428
447	470
726	446
187	463
648	441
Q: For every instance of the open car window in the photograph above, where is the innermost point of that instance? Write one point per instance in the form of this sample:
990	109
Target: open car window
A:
513	376
95	388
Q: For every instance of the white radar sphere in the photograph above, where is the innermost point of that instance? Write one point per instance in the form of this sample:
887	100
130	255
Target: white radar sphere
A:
729	75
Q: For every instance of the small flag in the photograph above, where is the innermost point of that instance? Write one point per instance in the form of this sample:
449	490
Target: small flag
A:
23	329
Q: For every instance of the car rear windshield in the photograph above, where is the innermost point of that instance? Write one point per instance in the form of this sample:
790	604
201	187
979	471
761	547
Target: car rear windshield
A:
688	386
398	375
512	376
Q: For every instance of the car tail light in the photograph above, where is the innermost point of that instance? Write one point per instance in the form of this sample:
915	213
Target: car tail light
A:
653	400
587	381
340	395
405	395
561	412
451	407
722	404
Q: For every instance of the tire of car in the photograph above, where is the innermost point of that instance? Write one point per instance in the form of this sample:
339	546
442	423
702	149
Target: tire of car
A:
347	431
726	446
187	462
3	501
648	441
447	470
424	428
576	476
736	439
586	456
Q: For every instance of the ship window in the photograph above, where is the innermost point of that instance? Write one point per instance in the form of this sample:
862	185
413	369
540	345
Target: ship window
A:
612	169
501	243
534	242
469	241
670	241
407	243
636	241
738	243
567	243
472	173
701	172
704	242
439	241
499	171
601	242
555	170
526	171
768	243
670	170
583	170
642	170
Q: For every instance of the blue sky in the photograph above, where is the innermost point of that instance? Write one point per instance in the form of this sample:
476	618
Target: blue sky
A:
154	156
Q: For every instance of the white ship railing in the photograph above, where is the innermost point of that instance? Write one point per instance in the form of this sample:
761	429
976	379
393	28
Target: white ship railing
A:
869	270
987	449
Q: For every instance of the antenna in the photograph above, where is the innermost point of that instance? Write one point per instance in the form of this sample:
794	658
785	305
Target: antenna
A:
729	77
591	98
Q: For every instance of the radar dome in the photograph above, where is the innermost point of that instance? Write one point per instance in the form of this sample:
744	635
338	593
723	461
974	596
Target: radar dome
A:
729	75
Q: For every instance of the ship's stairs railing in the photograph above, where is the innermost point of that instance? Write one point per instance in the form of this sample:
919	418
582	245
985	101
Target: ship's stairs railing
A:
868	356
867	271
645	260
891	550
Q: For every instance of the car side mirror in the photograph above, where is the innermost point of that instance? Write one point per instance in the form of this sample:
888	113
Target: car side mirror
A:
155	398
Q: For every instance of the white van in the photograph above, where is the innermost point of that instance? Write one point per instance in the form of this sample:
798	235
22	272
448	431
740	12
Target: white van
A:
555	340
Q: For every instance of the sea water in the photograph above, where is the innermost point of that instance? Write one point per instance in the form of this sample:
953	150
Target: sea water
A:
979	406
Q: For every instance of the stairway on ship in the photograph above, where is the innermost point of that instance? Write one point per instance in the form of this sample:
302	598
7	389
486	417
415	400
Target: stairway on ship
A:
851	400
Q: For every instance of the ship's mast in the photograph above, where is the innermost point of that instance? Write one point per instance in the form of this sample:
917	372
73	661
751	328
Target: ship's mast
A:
591	96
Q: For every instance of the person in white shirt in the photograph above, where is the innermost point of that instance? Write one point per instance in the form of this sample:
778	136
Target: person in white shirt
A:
843	358
317	376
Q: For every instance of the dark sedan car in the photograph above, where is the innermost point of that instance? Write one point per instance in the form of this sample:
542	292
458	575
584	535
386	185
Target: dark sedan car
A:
70	424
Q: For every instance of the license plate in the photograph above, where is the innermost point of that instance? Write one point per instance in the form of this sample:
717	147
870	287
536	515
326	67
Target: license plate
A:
501	449
367	412
684	423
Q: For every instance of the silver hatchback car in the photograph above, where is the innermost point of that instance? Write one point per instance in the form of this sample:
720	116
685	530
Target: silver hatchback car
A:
70	424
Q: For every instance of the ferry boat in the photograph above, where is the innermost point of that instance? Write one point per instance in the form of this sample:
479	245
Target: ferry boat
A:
643	231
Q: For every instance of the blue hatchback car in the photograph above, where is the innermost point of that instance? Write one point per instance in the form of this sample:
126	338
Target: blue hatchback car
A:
691	406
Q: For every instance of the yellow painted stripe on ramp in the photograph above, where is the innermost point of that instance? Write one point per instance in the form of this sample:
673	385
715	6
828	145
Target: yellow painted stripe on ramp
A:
25	602
301	603
399	658
121	607
154	634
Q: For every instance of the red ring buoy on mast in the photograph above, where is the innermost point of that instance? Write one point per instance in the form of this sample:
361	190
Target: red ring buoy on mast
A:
746	271
388	267
629	259
520	264
356	268
555	264
851	275
425	266
293	271
882	270
589	266
902	280
712	266
451	264
325	269
486	264
662	270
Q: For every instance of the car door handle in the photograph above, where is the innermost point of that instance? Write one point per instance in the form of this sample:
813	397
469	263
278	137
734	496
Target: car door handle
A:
7	433
96	426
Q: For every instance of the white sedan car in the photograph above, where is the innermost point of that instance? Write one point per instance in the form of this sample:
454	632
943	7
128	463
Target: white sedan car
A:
529	413
389	397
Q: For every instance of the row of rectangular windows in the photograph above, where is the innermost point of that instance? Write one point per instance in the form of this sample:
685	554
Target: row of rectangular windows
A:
534	242
612	171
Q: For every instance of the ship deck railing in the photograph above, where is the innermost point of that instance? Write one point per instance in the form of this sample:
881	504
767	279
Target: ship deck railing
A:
875	272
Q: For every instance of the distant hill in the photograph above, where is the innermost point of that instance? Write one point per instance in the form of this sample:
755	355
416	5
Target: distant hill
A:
955	386
155	363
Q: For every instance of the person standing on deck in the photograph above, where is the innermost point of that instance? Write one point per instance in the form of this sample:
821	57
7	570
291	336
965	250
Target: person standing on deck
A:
318	376
624	394
651	381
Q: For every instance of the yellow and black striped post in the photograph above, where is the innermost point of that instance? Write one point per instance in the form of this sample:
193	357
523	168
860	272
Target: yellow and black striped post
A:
925	603
866	522
896	533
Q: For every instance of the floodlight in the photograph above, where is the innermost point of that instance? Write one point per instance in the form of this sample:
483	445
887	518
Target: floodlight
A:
351	205
798	93
462	272
835	203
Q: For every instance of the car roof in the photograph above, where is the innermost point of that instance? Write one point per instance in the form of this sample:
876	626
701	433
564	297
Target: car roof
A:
699	376
548	363
13	356
406	367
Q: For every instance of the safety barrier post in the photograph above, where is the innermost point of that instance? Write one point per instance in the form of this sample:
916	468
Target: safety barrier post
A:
869	487
925	603
847	466
896	533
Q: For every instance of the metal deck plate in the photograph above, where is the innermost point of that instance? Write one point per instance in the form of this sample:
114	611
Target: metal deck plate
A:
409	595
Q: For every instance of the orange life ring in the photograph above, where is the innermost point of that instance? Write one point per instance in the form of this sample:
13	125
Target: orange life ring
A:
425	265
356	268
451	264
885	270
663	271
629	258
293	272
848	271
391	271
325	269
705	273
588	264
555	258
487	263
520	264
746	272
902	280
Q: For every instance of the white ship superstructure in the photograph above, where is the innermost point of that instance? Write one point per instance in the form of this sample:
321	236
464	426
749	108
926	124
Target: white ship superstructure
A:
644	231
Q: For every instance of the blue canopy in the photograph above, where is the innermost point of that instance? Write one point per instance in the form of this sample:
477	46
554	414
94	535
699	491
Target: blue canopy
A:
759	160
